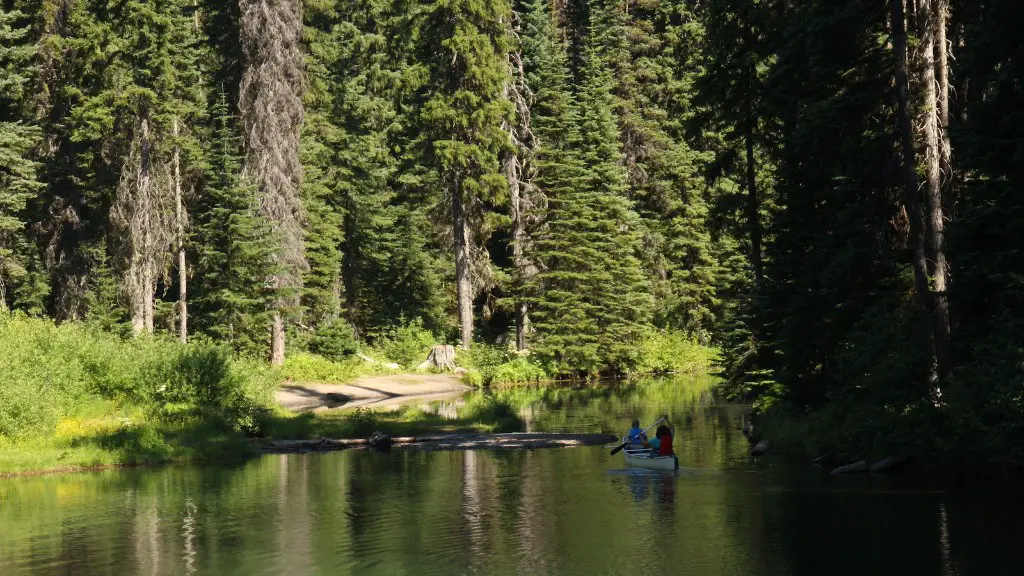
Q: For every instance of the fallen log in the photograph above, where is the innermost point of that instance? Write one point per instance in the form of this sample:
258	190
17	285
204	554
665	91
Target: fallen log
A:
855	468
890	464
506	441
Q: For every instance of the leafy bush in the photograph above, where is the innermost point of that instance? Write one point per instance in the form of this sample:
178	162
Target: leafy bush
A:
664	352
54	373
335	341
407	345
305	367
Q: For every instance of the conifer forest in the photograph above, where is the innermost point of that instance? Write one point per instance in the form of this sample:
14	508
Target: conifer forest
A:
830	193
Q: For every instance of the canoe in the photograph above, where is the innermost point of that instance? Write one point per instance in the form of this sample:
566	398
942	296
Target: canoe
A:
644	459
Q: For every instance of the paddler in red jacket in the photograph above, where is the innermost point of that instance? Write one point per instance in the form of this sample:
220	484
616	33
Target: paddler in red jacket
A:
664	436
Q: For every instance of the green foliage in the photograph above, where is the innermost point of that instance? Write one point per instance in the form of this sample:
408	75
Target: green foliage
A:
335	341
494	365
18	171
407	344
673	352
235	247
56	373
305	367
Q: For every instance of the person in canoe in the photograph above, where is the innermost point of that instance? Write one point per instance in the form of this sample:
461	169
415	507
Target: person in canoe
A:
662	441
635	436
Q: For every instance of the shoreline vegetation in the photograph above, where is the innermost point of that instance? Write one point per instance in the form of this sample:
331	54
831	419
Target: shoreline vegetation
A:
74	397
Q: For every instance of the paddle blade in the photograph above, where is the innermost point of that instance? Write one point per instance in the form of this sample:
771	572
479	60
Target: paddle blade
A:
619	449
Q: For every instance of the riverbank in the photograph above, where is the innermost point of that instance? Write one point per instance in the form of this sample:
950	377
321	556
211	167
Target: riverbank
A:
433	443
369	392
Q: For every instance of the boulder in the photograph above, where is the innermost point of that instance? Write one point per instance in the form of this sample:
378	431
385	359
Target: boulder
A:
855	468
760	448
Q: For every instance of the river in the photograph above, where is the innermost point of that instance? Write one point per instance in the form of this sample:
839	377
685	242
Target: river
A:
572	511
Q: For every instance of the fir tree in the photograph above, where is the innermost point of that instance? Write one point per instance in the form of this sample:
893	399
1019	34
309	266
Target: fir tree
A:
594	297
235	245
465	113
270	100
18	171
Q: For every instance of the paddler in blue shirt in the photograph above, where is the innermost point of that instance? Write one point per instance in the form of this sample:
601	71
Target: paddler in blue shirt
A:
636	436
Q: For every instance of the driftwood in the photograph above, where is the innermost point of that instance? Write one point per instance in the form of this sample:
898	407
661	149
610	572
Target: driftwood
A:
855	468
440	357
508	441
890	464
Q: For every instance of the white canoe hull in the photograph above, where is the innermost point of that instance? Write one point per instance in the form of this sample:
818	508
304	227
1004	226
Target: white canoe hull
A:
643	459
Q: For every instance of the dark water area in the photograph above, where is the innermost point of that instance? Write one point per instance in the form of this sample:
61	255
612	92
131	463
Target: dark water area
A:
573	511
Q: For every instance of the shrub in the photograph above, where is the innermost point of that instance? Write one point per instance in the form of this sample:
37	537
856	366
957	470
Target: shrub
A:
407	345
55	373
664	352
335	341
305	367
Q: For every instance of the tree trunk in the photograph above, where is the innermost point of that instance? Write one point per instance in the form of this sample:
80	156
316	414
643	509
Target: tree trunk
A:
463	281
935	220
518	239
521	188
942	73
179	214
277	339
906	132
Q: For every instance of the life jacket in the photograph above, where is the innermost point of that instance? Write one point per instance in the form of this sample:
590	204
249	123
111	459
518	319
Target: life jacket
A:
665	437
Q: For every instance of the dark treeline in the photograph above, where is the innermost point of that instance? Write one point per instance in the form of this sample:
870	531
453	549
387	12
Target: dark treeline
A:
823	188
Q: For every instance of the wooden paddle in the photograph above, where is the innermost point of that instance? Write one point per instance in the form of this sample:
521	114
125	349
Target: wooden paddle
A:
630	440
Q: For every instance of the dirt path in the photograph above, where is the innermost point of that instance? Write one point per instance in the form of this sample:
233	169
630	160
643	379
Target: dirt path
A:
376	391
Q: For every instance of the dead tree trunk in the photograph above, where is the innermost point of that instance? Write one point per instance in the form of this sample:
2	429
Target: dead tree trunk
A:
942	49
179	216
141	212
463	279
270	100
521	188
931	154
906	132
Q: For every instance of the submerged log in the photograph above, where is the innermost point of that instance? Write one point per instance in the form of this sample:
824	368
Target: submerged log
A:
855	468
509	441
440	357
890	464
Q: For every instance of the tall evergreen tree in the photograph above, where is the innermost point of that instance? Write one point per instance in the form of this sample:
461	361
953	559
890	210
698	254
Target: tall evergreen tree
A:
469	47
18	139
235	245
594	299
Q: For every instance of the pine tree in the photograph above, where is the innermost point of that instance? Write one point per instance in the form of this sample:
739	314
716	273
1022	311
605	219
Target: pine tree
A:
235	244
18	138
469	44
323	170
594	299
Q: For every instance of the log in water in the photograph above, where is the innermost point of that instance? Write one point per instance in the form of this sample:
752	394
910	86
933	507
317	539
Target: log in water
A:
504	441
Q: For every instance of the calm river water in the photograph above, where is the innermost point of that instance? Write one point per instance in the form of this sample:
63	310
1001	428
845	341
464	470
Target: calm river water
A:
573	511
